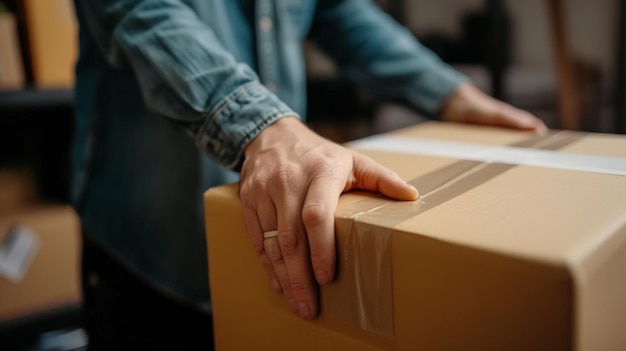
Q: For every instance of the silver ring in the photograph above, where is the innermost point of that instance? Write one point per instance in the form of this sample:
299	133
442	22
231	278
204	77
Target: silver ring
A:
270	234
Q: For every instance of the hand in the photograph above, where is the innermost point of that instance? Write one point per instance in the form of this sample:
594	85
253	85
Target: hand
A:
291	180
470	105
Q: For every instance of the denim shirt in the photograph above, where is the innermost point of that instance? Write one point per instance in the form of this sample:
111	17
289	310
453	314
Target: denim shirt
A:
170	92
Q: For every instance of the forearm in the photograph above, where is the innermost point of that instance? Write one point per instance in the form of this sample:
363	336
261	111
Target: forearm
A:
184	72
372	49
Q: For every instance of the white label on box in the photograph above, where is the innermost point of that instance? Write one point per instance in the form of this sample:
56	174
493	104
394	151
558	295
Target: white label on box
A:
494	154
17	252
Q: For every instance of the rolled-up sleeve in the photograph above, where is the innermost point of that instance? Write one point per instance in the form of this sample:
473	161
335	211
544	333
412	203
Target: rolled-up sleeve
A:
373	50
185	73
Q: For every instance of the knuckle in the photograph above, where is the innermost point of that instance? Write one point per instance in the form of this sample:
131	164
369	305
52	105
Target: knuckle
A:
313	214
254	183
243	190
250	189
259	183
322	165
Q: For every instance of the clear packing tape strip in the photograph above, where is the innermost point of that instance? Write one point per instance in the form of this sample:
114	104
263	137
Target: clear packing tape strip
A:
363	293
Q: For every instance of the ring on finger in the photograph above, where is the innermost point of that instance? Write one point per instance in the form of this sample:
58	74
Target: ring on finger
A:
270	234
272	249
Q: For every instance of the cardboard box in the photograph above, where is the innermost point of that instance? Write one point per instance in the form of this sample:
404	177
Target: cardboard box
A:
53	40
18	189
50	279
11	68
518	242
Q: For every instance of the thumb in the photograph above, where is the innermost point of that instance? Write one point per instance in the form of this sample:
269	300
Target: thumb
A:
371	176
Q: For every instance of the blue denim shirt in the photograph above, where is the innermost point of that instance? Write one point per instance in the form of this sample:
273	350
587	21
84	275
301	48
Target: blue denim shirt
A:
170	92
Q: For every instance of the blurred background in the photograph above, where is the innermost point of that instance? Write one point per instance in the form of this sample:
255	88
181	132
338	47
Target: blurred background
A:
562	60
559	59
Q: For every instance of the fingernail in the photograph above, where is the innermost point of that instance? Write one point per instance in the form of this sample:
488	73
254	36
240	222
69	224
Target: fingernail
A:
416	192
321	276
304	311
276	285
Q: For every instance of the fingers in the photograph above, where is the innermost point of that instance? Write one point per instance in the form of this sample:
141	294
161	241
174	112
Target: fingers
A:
321	202
506	116
470	105
371	176
255	233
319	220
276	203
291	183
294	246
275	257
512	117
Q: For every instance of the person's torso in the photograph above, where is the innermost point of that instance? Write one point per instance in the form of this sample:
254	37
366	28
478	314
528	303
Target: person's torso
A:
138	182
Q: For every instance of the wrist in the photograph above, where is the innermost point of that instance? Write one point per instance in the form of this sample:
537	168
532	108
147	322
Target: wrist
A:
458	102
274	132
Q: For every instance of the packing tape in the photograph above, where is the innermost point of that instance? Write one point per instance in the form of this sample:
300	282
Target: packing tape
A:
363	296
513	155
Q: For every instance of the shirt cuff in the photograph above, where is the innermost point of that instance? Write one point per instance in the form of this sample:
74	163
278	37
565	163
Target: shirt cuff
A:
241	116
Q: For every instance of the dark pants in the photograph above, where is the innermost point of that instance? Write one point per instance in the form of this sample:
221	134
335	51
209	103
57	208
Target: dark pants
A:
122	312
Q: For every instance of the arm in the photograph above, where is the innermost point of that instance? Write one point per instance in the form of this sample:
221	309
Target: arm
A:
376	52
184	72
291	178
372	49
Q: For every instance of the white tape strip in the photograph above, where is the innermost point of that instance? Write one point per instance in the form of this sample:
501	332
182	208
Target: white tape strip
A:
494	154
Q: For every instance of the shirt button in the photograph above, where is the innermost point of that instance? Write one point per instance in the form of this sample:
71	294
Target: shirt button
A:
265	23
271	87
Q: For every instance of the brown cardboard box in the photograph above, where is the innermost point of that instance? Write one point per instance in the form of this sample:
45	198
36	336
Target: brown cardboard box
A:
53	41
11	69
51	279
18	189
520	247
